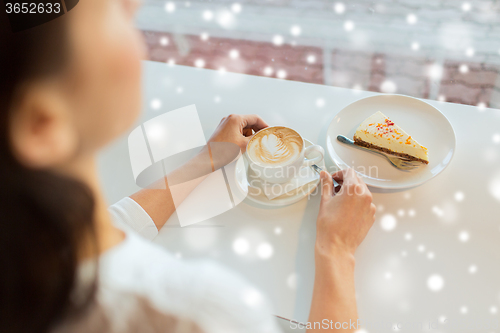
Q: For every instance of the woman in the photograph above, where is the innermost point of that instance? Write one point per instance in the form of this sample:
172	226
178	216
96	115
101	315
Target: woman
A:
67	88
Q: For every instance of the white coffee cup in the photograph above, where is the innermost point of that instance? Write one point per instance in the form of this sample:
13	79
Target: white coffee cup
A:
290	168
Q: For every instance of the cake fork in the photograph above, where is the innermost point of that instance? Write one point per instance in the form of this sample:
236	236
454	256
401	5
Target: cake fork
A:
397	162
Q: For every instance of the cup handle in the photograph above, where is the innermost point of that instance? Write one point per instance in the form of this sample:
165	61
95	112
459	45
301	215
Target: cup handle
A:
315	160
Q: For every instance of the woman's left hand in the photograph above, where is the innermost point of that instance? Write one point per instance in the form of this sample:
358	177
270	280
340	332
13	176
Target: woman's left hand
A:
238	129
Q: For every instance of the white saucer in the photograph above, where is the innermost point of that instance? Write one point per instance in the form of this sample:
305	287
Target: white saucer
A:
418	118
255	193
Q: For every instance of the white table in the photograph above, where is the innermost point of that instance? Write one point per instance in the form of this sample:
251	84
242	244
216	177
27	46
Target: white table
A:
393	267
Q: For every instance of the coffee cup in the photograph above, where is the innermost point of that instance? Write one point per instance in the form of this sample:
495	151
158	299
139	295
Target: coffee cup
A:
277	153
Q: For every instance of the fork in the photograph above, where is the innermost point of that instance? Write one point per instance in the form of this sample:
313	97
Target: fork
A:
397	162
336	186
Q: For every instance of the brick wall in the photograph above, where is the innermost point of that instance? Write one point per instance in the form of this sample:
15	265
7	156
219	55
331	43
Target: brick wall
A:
383	51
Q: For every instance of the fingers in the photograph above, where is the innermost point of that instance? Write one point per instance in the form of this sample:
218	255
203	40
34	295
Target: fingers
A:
350	180
338	176
327	185
247	132
373	210
349	177
344	174
349	173
253	121
243	142
361	181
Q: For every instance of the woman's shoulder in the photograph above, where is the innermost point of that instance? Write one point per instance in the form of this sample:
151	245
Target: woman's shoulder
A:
116	311
209	293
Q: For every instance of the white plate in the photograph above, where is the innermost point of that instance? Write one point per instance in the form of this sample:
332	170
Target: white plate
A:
257	195
421	120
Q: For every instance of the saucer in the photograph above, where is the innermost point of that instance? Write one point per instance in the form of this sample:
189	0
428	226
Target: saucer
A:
255	193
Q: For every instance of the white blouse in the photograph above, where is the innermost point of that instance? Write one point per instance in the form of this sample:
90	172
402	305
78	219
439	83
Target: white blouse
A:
142	287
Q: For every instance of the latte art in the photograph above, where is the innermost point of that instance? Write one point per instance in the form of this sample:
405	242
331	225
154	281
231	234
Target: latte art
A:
275	146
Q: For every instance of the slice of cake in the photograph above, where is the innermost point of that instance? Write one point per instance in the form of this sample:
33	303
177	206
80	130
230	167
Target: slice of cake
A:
379	132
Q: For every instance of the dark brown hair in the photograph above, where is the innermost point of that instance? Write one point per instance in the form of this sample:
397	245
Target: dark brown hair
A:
43	215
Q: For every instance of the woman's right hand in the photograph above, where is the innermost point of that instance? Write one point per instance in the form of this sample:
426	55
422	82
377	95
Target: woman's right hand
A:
345	218
238	129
